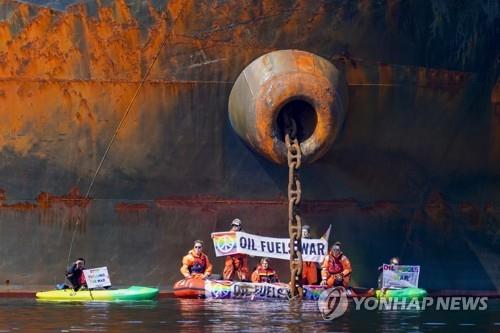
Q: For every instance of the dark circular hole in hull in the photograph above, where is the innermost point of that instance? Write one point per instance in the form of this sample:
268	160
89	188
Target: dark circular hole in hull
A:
304	115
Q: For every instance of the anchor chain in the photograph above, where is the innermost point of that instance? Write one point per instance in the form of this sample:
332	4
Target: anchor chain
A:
294	196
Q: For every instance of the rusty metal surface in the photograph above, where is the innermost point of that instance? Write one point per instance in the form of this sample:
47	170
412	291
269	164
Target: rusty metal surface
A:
416	162
146	246
271	86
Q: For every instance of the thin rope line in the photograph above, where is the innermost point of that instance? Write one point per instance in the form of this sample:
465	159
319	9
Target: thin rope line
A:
111	141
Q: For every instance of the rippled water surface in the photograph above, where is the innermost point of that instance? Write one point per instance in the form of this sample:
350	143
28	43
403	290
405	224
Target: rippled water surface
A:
22	315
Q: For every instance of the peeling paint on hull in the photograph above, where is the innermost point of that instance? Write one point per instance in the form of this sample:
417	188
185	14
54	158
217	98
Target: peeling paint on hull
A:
415	171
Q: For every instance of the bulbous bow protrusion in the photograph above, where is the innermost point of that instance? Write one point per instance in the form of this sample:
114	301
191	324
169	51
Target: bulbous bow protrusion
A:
307	87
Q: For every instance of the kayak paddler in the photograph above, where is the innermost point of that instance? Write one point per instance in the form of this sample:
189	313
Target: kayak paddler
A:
309	268
336	268
196	263
74	274
236	265
394	261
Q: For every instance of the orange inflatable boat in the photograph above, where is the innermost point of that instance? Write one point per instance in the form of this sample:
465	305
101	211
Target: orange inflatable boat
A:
190	288
223	289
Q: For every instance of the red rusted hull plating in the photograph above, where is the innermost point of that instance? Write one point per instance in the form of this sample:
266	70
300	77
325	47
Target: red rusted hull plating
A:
414	171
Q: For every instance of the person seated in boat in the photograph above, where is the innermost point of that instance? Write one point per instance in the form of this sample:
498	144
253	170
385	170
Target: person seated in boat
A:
74	274
236	265
336	268
196	263
309	268
394	261
264	274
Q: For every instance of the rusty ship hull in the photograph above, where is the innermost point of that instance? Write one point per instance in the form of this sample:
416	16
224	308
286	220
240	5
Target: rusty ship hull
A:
414	172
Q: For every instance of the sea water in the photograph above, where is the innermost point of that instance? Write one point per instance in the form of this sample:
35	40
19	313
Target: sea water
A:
175	315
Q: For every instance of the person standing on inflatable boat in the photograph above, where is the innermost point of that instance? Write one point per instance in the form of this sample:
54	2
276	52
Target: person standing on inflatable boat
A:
196	264
336	268
309	268
236	265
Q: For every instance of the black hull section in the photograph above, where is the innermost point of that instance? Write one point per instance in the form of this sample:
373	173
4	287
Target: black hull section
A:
414	172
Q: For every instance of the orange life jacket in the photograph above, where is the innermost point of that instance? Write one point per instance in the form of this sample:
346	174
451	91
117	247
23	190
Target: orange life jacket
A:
309	272
199	265
335	264
264	275
196	265
232	272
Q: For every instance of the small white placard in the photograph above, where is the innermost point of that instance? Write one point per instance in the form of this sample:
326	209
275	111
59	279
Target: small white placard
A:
402	276
97	277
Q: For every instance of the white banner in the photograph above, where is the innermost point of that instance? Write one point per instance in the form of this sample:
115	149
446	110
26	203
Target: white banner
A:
248	290
400	276
227	243
97	277
228	289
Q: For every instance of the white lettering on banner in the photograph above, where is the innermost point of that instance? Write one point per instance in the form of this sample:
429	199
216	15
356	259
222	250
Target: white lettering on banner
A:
400	276
227	243
97	277
222	289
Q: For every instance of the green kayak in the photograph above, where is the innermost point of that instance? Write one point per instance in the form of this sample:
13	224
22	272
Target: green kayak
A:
133	293
408	293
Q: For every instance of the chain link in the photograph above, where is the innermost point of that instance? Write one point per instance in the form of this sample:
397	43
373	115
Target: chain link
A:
294	157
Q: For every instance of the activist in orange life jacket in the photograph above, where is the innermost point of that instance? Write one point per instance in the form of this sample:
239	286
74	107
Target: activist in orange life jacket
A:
309	268
236	265
196	264
336	268
264	274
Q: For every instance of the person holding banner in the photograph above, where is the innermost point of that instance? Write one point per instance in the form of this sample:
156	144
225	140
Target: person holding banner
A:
264	274
336	268
236	265
74	274
309	268
394	261
196	264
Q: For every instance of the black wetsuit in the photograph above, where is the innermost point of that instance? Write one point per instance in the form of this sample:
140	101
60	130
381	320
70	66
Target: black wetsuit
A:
74	276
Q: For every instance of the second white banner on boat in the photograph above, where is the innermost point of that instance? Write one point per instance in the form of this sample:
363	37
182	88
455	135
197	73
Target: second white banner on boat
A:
227	243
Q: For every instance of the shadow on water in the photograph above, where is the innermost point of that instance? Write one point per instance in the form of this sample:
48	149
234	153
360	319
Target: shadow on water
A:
21	315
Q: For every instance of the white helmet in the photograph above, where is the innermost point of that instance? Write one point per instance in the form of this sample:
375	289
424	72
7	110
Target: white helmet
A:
236	222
